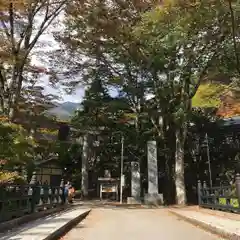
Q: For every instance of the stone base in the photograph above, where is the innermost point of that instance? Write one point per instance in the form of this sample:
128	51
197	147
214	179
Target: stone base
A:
132	200
155	199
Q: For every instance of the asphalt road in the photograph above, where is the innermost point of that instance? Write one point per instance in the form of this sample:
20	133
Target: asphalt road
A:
136	224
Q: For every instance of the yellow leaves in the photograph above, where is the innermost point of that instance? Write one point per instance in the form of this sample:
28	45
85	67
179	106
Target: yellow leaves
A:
10	177
130	116
208	95
48	131
217	96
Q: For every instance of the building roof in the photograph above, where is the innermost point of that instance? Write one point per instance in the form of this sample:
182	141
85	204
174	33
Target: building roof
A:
52	158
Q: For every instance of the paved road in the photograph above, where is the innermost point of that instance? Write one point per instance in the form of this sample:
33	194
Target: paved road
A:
136	224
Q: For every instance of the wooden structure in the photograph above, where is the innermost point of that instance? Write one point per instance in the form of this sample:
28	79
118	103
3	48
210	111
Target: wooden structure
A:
108	186
49	172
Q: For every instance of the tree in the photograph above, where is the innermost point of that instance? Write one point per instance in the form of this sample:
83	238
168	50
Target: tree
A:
167	52
234	23
100	31
20	33
178	50
17	148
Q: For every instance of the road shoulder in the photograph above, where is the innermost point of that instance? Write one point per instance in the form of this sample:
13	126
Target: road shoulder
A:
226	225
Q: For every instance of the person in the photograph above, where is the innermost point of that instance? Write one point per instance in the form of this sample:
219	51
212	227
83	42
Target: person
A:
66	189
71	193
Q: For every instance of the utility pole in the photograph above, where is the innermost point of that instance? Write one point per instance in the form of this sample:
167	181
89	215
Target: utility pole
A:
121	168
209	161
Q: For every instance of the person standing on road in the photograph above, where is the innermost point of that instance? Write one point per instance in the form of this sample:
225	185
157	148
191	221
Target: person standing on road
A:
66	190
71	193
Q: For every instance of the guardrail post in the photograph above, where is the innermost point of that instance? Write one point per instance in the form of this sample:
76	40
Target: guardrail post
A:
237	182
199	188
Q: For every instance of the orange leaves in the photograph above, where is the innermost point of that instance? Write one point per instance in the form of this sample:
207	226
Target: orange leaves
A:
218	96
230	110
230	106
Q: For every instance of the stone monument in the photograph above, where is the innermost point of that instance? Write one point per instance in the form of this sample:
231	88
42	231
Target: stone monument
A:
85	151
153	197
135	184
107	174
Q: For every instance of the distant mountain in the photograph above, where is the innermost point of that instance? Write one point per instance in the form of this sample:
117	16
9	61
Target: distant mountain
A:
63	111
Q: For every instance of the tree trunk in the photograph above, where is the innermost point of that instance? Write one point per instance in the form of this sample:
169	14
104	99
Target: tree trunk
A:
179	167
14	97
85	166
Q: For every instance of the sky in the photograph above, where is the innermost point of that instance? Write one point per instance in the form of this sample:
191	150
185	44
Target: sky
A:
47	43
78	94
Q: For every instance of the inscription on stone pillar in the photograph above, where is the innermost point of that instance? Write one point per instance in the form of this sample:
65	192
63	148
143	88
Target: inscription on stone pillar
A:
152	167
135	181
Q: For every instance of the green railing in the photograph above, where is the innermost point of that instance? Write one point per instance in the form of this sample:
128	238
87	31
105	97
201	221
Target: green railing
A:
19	200
220	198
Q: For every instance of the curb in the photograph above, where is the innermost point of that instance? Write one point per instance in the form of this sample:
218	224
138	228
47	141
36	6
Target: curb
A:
207	227
67	227
124	205
17	222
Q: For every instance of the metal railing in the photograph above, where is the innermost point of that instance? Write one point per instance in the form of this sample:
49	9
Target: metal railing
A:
19	200
220	198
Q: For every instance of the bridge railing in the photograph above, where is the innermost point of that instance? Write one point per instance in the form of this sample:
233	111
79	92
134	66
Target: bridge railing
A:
19	200
220	198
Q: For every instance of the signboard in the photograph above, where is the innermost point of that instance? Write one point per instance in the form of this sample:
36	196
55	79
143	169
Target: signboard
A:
233	202
107	188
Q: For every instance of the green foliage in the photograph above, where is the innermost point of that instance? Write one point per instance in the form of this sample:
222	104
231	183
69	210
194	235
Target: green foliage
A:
167	51
16	147
94	105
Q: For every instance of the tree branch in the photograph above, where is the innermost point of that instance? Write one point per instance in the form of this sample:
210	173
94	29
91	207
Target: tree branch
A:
12	30
48	19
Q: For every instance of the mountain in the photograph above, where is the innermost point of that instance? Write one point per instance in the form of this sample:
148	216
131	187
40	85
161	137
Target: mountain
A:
63	111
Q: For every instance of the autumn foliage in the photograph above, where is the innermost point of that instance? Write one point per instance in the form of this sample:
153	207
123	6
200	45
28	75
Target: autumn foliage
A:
230	106
7	177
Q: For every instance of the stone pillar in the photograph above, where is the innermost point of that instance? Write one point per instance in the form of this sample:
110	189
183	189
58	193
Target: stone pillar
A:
24	173
32	191
135	182
153	197
33	180
152	167
84	183
199	189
